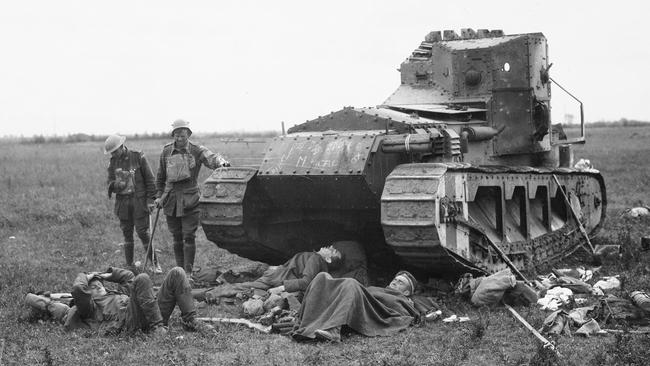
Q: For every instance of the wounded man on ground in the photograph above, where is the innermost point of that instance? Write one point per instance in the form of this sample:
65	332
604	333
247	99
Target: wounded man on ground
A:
332	303
132	307
292	276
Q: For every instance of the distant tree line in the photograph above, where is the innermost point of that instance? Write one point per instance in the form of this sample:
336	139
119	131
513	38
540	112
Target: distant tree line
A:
623	122
83	137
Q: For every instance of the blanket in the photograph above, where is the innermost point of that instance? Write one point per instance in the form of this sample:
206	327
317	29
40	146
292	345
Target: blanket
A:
371	311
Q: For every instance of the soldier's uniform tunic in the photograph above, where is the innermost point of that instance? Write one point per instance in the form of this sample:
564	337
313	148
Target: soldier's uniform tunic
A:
131	179
176	183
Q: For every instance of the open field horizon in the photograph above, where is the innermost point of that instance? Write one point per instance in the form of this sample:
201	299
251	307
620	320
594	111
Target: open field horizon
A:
82	136
57	221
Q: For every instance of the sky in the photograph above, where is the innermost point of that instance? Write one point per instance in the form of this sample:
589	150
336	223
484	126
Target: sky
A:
136	66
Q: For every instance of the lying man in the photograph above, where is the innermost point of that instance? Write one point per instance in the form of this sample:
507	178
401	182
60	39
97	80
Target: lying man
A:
133	307
331	303
292	276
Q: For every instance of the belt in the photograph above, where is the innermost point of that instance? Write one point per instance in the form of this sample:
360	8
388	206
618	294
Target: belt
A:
188	183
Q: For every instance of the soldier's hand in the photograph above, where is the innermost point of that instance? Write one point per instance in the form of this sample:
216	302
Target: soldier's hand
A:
151	206
158	202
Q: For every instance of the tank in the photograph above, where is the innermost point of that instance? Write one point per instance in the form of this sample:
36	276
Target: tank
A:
460	169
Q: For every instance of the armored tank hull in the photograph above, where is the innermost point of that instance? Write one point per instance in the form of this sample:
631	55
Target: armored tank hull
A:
458	170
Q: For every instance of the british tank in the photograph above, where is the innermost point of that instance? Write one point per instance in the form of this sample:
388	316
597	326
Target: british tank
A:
460	169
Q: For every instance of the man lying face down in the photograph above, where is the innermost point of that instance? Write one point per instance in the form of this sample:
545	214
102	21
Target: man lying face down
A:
133	307
292	276
331	303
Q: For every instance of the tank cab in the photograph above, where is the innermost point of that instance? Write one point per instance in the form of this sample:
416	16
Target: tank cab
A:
493	89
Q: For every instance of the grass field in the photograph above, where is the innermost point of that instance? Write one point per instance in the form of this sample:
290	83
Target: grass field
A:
56	221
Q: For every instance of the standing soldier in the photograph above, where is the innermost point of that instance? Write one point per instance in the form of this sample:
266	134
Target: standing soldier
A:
178	191
131	179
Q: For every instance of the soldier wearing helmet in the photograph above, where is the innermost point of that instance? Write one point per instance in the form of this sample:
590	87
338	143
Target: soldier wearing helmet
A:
131	179
177	189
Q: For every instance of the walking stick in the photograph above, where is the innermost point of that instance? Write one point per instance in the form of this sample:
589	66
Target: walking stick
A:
150	249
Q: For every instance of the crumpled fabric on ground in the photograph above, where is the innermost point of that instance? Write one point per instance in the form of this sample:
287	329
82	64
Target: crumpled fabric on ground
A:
585	274
547	281
580	316
215	275
571	272
637	211
225	290
574	284
580	300
608	283
556	323
490	290
618	310
562	293
596	291
520	295
641	299
253	307
590	328
454	318
555	298
549	303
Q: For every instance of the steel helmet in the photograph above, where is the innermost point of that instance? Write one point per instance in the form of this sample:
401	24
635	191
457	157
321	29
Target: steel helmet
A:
179	123
113	142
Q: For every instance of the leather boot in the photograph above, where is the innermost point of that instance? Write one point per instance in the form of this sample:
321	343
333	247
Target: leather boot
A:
128	254
189	251
45	306
145	299
179	253
37	302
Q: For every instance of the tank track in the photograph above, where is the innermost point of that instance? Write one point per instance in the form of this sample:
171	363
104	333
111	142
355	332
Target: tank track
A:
482	256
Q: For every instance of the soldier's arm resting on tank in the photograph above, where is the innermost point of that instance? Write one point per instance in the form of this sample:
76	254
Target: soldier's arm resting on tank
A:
82	295
149	180
212	160
314	266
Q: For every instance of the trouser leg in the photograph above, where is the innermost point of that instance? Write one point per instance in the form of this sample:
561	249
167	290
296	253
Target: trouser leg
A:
127	231
144	312
142	229
189	252
56	310
190	224
128	254
175	227
176	290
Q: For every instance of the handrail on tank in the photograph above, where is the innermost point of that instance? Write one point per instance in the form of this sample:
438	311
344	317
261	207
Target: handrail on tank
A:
577	140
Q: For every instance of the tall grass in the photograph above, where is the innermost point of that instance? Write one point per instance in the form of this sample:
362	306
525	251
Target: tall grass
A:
56	220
